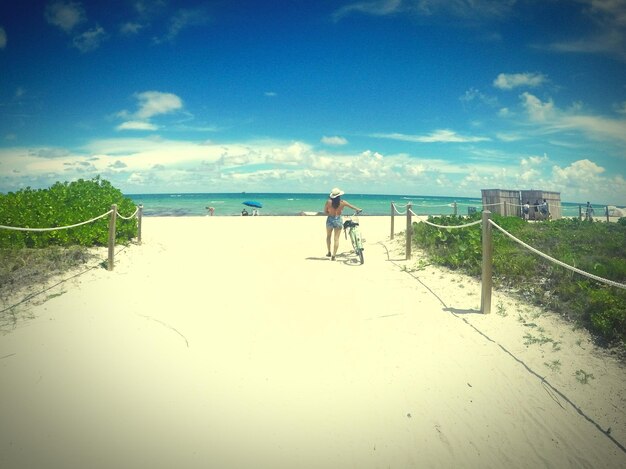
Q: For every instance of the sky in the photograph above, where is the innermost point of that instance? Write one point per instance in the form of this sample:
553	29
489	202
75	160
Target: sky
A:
420	97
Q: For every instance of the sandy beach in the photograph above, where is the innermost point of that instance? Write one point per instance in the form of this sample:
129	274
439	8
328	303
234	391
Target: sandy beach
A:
233	342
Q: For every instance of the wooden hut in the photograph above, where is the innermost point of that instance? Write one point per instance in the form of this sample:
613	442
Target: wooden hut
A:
503	202
535	197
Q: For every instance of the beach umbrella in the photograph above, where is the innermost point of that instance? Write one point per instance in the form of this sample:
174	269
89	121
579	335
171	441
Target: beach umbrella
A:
253	203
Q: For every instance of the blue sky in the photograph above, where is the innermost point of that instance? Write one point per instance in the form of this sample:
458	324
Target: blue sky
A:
426	97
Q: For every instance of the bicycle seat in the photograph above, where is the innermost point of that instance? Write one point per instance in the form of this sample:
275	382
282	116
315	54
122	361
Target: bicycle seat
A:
349	224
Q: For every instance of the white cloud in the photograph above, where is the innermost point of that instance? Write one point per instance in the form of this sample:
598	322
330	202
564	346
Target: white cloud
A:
595	126
136	125
555	120
270	94
118	165
508	81
182	20
531	168
578	173
130	28
621	108
373	7
336	140
65	15
474	10
149	8
536	109
509	136
585	179
3	38
438	136
608	35
415	169
474	95
150	104
90	39
136	178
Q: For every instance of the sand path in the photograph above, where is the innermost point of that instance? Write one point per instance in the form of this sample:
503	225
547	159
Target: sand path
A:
234	342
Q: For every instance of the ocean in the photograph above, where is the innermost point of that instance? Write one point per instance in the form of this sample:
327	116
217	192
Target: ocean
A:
231	204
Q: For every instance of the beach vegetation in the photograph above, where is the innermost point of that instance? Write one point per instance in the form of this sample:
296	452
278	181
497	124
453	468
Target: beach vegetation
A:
595	247
583	377
64	204
554	365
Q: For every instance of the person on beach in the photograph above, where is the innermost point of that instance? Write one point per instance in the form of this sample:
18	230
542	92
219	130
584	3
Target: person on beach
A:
544	209
244	213
211	210
536	206
589	212
333	208
526	210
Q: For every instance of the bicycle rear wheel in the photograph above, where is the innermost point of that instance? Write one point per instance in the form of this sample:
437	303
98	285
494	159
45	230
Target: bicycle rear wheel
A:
358	250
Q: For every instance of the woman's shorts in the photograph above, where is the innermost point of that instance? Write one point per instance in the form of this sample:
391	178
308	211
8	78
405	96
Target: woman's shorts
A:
334	222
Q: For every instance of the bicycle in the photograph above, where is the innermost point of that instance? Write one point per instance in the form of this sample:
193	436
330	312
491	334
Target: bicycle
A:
351	227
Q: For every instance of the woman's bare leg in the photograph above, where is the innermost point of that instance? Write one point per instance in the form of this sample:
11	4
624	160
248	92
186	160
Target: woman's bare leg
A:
337	233
328	233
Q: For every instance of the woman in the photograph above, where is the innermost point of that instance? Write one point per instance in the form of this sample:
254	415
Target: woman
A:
334	223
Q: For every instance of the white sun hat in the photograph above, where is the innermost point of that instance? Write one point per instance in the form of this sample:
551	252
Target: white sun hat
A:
336	192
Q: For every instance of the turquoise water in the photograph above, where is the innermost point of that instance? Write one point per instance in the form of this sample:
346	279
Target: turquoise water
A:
295	204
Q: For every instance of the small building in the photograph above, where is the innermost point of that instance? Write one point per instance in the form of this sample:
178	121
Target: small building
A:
535	197
503	202
509	202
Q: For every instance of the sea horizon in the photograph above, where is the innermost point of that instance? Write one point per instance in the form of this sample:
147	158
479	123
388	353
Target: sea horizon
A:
303	203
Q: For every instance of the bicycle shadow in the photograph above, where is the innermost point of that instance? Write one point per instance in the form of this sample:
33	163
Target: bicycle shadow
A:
349	259
345	258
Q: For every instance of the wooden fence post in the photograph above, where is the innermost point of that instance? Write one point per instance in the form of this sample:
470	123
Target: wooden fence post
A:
455	209
580	212
393	212
487	271
112	236
139	216
607	214
409	231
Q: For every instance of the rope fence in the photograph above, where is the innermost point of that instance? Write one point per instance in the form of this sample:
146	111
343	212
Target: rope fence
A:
487	247
15	228
113	213
451	227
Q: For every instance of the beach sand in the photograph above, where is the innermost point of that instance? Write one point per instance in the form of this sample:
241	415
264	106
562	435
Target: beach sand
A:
234	342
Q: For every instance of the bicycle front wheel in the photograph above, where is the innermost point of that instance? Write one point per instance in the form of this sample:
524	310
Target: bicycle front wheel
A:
360	254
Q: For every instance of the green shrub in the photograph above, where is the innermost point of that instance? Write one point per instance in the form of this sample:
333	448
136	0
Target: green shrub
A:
64	204
453	248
